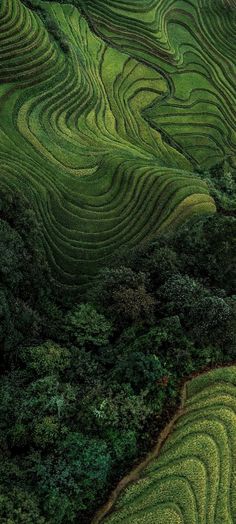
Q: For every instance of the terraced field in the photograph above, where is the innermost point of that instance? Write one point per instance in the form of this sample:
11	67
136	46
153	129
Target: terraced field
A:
103	134
193	480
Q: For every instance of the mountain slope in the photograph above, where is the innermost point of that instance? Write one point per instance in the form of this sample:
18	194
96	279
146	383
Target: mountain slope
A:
193	478
102	132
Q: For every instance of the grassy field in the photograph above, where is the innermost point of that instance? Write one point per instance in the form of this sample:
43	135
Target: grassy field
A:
192	480
102	127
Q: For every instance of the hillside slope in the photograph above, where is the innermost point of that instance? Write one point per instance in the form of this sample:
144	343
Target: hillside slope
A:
193	478
102	132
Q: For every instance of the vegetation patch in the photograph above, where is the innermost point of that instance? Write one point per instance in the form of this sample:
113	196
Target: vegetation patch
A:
88	383
192	477
114	110
117	255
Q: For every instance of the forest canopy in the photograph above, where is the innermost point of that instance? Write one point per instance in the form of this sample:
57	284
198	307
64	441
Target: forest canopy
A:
86	383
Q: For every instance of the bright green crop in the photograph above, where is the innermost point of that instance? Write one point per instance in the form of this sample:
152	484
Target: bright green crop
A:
104	118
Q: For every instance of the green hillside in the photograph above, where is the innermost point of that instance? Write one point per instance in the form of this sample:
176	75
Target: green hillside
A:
107	111
117	261
193	478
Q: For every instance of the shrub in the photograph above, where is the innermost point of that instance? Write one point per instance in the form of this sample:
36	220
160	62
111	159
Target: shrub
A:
87	328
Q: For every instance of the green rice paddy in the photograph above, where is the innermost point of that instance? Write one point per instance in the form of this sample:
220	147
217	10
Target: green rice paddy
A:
193	480
104	138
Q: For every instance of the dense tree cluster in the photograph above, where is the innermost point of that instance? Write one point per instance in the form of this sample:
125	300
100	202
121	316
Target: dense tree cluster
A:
221	180
84	382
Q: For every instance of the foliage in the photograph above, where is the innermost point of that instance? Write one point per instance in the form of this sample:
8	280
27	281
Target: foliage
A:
70	478
221	179
46	359
202	438
125	293
102	149
87	328
23	272
83	384
18	506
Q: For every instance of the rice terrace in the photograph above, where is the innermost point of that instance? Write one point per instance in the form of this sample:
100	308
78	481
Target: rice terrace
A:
104	137
117	261
193	478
